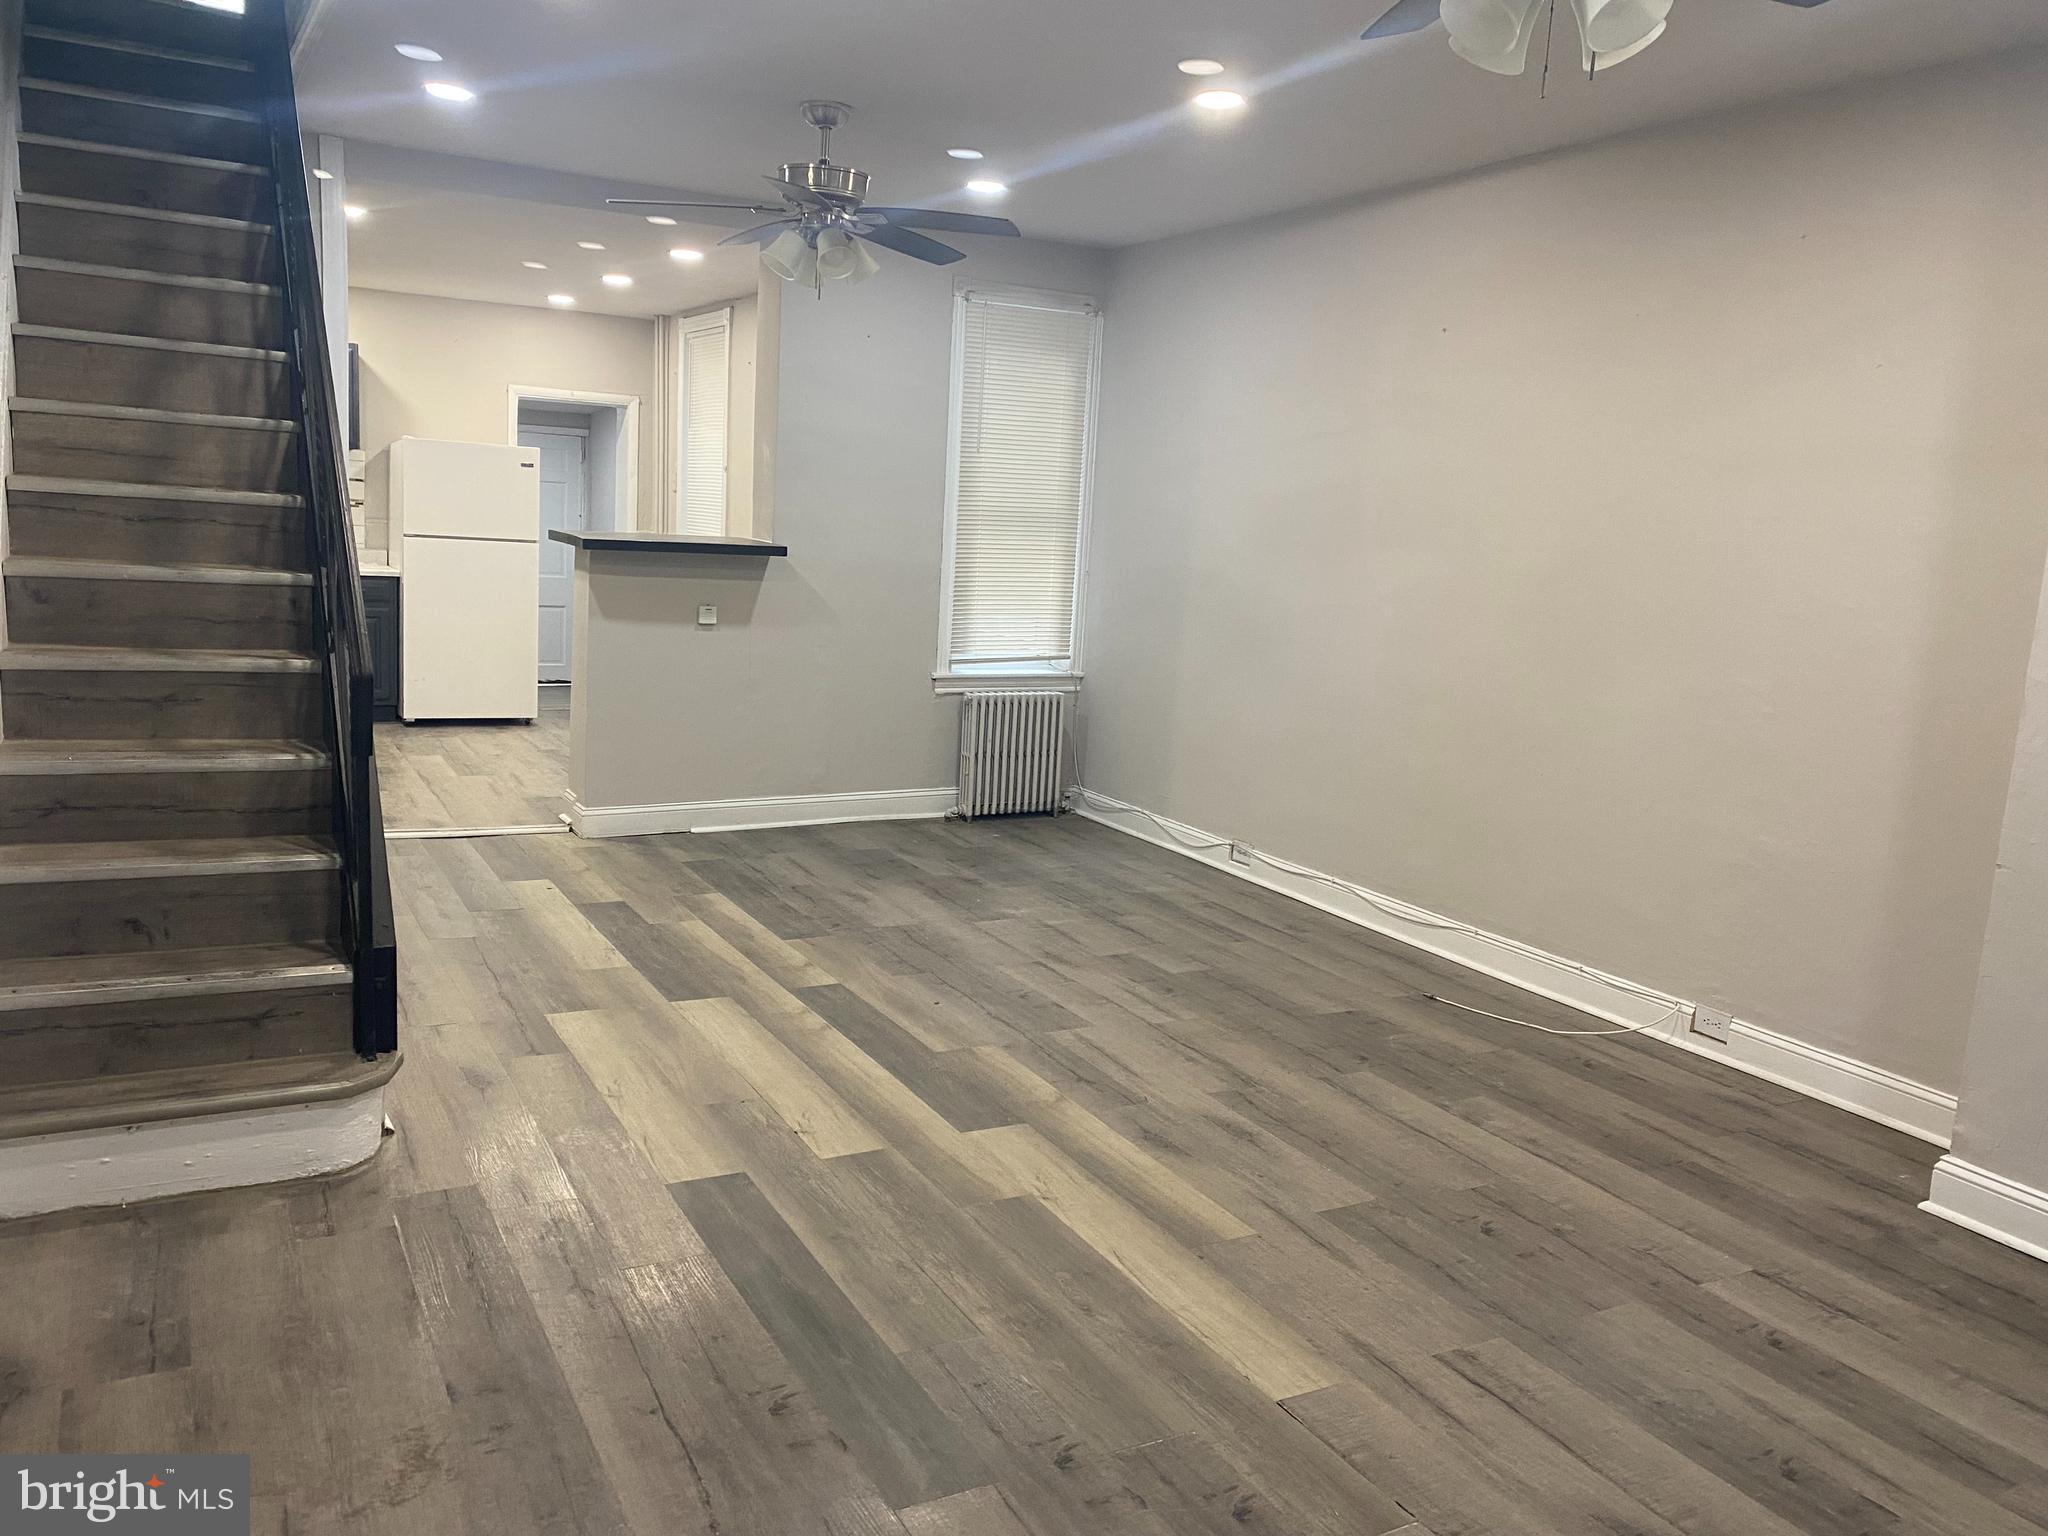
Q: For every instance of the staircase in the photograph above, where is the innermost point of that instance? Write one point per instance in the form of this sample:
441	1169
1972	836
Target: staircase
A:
194	916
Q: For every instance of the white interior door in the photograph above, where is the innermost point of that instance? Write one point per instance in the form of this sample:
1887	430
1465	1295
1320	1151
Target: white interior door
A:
562	505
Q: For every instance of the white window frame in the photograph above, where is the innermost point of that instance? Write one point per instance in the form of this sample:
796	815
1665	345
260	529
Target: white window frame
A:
687	326
948	677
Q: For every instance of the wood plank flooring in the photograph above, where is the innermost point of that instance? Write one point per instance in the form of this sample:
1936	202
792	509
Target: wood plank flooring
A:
1019	1179
470	775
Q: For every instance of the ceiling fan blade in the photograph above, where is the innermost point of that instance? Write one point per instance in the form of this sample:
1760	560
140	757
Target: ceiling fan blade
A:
652	202
939	218
910	243
1409	16
760	234
797	194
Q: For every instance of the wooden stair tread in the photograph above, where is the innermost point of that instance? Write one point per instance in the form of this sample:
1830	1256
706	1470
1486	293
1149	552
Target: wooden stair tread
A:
110	658
140	99
83	980
70	568
26	332
138	211
130	45
130	152
178	1093
41	759
160	859
24	405
143	275
65	485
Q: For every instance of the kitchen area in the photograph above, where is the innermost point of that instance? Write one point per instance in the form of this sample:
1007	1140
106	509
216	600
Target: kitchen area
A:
469	736
480	432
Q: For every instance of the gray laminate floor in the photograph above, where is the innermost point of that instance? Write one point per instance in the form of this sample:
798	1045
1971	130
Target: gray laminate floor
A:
467	774
1024	1180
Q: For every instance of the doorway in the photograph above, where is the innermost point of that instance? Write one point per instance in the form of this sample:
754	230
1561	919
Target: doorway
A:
564	504
589	473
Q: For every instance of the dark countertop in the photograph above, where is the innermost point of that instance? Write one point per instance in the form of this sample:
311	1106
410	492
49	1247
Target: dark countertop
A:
666	543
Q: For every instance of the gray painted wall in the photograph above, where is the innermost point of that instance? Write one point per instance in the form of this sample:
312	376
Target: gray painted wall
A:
1632	551
817	679
2003	1121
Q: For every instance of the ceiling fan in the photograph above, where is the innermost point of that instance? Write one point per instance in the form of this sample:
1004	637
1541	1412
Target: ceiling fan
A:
825	225
1495	34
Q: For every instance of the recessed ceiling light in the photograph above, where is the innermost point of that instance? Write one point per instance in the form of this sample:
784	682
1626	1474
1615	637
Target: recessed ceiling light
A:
684	253
320	175
561	300
534	266
448	90
1218	101
660	218
588	245
964	154
983	186
1199	67
355	211
419	51
617	280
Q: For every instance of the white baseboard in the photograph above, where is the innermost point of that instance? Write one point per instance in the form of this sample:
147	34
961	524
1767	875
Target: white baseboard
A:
1854	1085
120	1164
1999	1208
759	812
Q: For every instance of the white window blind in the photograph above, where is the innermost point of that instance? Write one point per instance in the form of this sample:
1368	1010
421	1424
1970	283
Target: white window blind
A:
1020	477
704	390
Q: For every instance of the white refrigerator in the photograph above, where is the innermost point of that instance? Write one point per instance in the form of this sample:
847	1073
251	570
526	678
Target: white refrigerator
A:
465	526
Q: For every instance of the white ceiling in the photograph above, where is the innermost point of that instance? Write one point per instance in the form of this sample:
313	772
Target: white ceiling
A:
1076	102
462	245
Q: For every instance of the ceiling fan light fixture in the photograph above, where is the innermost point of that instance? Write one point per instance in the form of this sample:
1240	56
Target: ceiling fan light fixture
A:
1219	101
1487	27
790	257
1615	26
1593	62
842	257
984	186
1477	30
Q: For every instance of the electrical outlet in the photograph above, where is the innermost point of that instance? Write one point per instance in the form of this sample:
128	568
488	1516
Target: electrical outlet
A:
1711	1022
1240	853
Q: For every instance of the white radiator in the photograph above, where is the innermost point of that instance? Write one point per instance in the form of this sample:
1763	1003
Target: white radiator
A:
1012	752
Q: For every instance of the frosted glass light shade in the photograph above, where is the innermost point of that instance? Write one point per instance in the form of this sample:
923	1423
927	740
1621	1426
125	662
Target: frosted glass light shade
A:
1510	59
1591	61
864	264
790	257
1615	26
1487	27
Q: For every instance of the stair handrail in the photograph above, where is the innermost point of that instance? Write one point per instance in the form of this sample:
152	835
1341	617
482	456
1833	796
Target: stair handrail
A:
341	631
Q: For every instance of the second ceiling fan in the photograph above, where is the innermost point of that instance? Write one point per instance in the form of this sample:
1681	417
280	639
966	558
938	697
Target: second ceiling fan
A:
1496	34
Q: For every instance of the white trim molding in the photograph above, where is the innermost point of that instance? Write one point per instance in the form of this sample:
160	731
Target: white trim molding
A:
119	1164
2002	1209
758	812
626	458
1857	1086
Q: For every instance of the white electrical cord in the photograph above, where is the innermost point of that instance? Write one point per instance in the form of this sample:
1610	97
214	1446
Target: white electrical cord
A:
1626	1029
1415	916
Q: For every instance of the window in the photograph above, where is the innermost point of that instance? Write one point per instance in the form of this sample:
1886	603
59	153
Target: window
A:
1024	370
703	389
